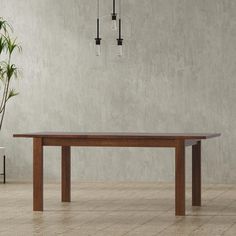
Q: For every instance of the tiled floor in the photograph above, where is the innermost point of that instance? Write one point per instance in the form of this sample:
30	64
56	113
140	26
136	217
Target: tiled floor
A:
115	209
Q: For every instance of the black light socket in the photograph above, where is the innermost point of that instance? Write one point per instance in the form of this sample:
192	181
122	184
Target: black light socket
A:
98	41
120	42
113	16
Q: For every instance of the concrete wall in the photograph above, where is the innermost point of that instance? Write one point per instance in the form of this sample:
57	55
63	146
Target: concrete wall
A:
177	75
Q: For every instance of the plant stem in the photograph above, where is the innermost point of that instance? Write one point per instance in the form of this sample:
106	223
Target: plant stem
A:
3	95
2	117
3	109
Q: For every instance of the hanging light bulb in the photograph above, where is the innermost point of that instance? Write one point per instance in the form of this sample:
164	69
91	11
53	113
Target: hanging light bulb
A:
120	40
98	39
120	50
113	23
113	17
98	47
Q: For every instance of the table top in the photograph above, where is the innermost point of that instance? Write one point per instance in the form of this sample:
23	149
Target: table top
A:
120	135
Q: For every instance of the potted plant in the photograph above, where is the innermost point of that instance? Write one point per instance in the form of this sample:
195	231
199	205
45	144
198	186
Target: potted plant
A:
8	69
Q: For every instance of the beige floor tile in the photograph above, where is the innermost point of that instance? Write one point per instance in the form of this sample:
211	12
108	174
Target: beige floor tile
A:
186	225
231	231
217	225
155	225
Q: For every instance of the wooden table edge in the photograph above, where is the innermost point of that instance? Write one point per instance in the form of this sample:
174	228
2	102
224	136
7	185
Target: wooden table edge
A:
167	136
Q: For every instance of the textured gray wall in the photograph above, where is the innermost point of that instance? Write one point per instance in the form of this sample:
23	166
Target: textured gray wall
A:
177	75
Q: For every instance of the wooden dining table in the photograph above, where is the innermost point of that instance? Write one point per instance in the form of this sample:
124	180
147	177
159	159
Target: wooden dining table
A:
178	141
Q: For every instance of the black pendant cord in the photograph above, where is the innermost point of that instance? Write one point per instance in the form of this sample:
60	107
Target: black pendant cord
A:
97	27
119	40
119	28
114	14
114	6
98	39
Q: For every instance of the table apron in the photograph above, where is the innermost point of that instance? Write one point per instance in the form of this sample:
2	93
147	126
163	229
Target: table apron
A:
109	142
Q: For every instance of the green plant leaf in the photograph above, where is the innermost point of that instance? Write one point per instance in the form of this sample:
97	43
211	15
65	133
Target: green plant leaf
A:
2	44
11	44
11	70
4	25
11	94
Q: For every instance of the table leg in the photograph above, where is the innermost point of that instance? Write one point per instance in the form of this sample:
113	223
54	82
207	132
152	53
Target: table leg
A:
37	174
196	174
65	174
180	178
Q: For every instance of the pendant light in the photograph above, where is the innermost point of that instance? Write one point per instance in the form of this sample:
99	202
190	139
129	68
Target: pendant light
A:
120	40
98	39
114	27
113	17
